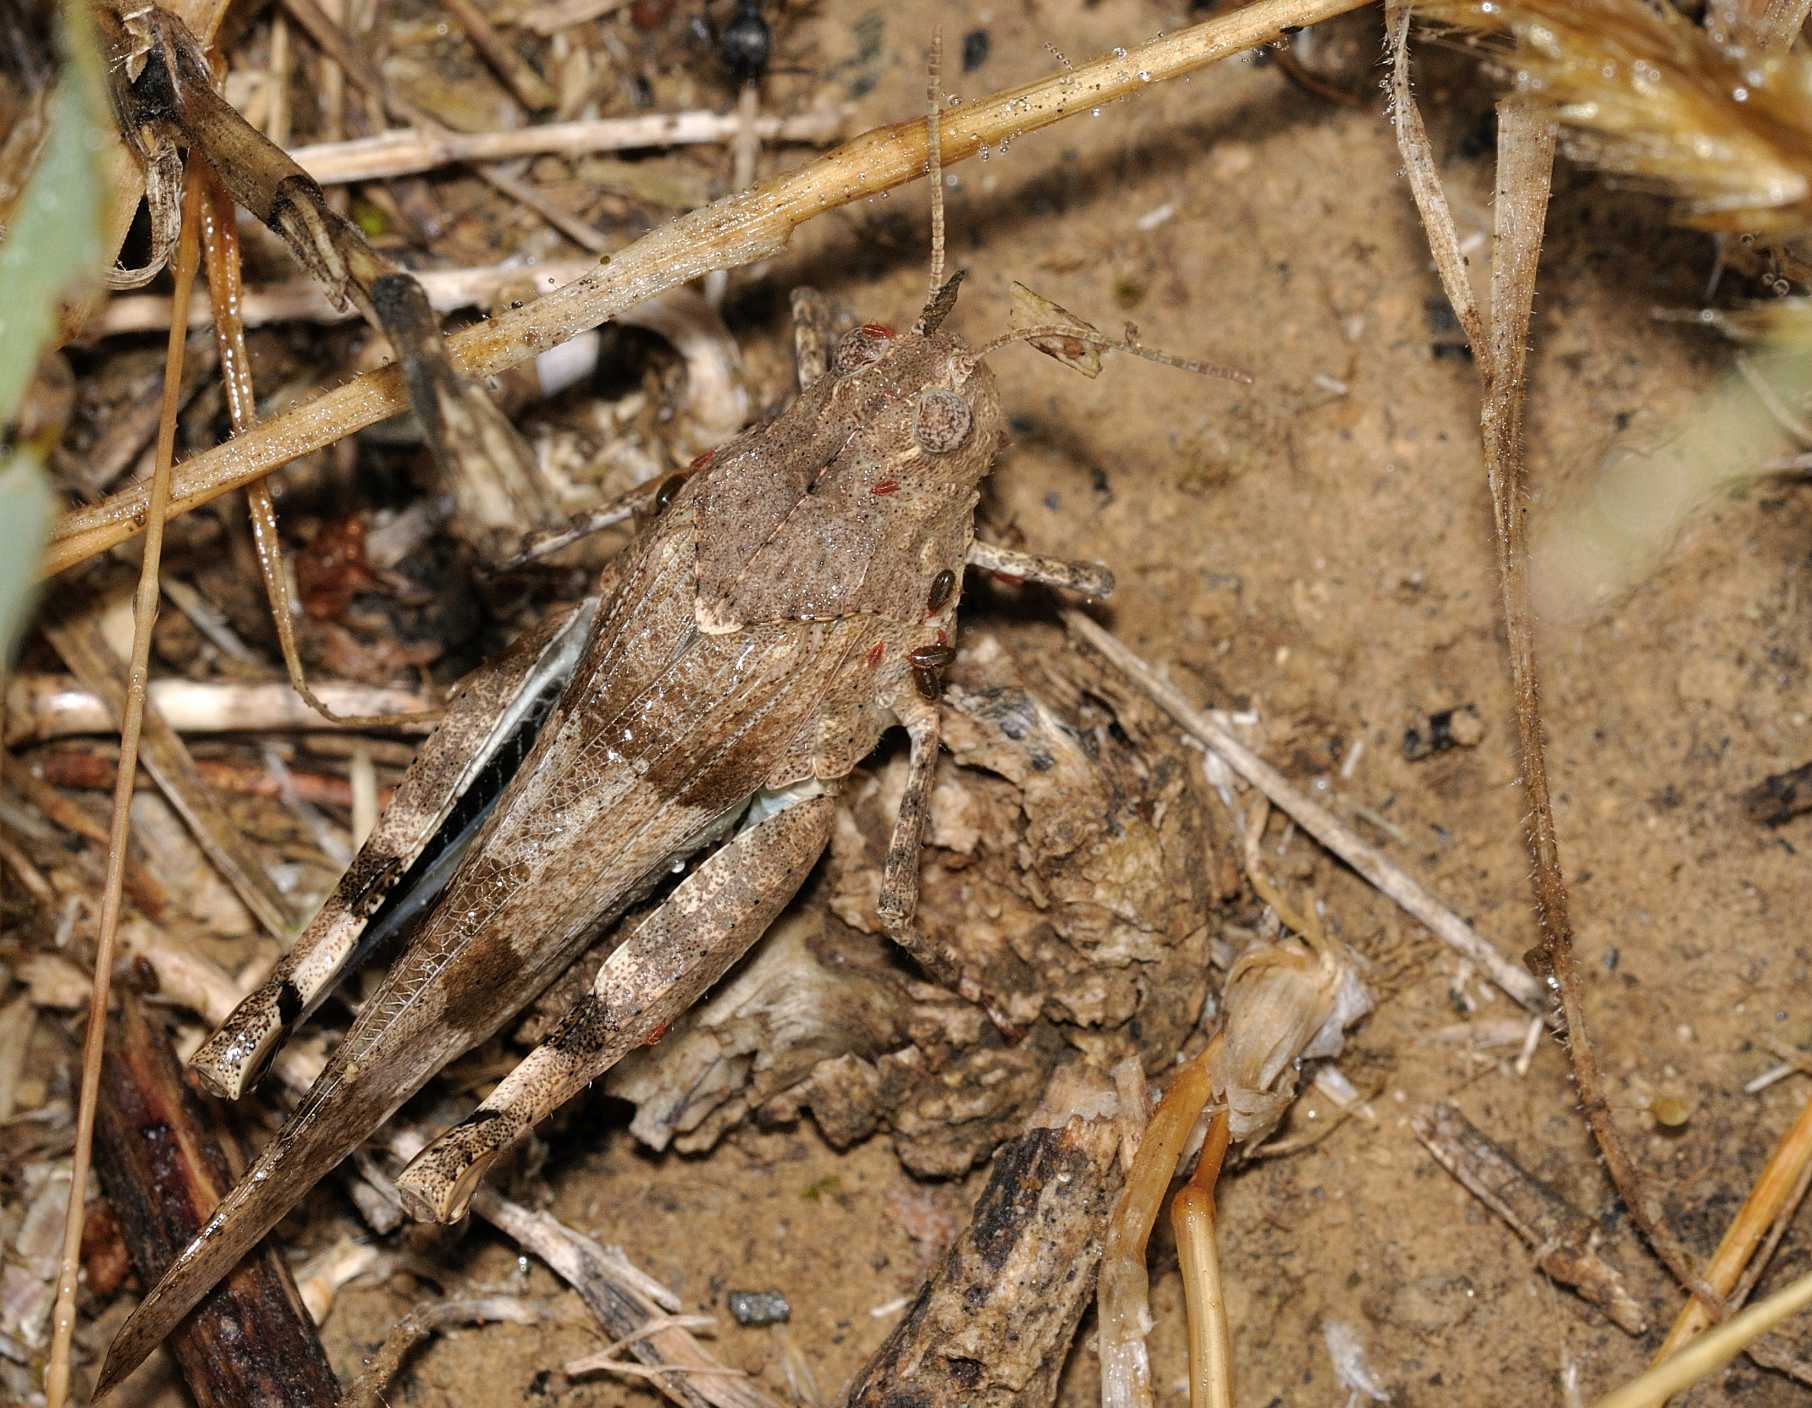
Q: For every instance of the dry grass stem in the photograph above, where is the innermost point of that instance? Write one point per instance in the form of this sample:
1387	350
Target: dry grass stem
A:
409	151
56	1386
84	646
41	707
1124	1306
1390	879
1776	1192
1425	181
738	229
1712	1350
219	233
1526	143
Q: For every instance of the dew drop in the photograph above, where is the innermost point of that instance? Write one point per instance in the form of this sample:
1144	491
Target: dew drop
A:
1094	112
1144	75
1119	53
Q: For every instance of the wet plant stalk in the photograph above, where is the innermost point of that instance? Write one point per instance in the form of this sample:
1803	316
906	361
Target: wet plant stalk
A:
1204	1297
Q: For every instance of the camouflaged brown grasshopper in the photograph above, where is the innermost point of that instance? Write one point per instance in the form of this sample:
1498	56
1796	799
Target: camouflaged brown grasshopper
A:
785	603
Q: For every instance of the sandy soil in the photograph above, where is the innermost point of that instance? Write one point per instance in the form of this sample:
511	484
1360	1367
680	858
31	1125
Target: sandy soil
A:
1316	548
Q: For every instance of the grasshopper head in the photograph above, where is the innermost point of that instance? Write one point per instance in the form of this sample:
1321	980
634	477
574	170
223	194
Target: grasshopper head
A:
935	423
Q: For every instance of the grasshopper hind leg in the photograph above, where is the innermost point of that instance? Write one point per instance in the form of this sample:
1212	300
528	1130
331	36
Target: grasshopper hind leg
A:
657	973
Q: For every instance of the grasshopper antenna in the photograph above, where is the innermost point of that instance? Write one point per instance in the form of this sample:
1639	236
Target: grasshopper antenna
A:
934	163
1067	343
942	295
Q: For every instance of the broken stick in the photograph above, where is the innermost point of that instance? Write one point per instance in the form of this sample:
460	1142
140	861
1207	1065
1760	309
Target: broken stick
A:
993	1326
165	1161
1563	1237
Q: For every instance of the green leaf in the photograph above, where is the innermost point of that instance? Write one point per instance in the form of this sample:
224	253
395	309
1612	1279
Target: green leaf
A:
27	508
54	246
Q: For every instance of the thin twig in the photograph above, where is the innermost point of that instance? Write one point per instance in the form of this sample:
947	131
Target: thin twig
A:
56	1387
304	300
738	229
518	75
1563	1238
367	1390
1390	880
220	248
1526	142
605	1360
409	151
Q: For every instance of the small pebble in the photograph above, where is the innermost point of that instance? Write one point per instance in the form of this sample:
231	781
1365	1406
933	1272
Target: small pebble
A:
759	1308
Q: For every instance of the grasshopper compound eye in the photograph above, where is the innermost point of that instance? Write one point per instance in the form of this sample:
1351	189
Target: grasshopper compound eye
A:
942	423
861	347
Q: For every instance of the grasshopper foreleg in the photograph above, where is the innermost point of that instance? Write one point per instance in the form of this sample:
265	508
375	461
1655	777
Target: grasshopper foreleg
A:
1086	578
816	325
652	978
899	900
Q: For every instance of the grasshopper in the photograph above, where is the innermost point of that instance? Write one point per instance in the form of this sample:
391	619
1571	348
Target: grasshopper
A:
784	604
